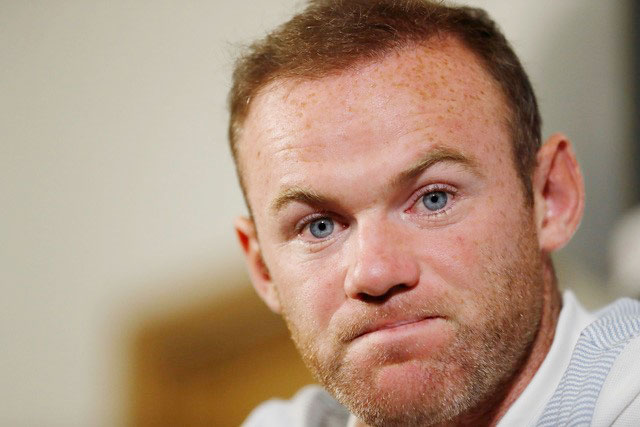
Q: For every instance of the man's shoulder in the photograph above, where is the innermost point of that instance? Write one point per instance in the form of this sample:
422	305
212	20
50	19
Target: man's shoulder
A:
602	380
619	399
311	406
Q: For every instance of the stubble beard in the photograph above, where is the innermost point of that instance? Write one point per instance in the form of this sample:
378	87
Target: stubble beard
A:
465	379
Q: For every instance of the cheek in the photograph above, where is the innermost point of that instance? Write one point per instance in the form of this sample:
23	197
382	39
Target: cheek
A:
309	289
451	259
461	254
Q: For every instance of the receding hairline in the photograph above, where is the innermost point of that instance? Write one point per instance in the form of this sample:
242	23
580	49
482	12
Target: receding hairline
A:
438	42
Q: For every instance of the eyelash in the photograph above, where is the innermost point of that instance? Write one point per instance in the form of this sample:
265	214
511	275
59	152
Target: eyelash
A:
449	190
305	222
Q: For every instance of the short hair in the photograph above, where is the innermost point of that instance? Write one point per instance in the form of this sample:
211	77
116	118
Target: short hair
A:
330	36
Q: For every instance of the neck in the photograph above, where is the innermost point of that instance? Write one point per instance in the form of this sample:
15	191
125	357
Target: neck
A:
551	306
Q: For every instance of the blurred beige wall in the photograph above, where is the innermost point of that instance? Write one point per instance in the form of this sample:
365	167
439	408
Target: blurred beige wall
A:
117	192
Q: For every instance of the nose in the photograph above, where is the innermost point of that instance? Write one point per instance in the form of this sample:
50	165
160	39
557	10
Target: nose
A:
383	262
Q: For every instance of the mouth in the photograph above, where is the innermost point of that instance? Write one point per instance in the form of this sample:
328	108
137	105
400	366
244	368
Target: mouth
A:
397	326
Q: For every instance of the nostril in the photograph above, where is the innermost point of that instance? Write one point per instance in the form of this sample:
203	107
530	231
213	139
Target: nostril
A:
379	299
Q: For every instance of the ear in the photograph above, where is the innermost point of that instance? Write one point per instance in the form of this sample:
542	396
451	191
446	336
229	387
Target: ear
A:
558	191
258	272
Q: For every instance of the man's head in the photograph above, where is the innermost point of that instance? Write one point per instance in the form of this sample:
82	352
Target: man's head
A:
396	235
334	35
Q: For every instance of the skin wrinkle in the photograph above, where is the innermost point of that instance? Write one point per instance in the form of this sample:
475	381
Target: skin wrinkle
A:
378	75
437	155
481	271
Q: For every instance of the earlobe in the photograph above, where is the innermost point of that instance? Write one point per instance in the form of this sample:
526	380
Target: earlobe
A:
258	272
558	193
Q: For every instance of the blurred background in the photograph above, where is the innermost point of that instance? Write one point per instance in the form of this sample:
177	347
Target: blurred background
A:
124	300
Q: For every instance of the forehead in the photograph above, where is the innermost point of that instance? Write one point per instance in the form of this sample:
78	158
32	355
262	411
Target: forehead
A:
437	93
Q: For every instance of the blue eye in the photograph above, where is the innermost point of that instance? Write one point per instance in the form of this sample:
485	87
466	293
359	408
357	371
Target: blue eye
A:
435	200
321	228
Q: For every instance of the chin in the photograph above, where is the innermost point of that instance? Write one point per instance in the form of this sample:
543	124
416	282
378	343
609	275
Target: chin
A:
389	388
407	393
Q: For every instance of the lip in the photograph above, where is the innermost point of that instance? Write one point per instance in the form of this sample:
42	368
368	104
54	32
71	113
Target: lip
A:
394	326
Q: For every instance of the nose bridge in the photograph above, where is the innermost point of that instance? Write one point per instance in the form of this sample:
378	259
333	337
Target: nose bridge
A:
381	258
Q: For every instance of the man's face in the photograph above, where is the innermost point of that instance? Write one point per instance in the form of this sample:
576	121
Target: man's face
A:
396	233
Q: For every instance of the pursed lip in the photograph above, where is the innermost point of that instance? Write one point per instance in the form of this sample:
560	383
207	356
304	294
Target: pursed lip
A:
388	325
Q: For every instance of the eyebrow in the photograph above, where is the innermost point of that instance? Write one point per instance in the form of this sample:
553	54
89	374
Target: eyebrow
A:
438	154
297	194
435	155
